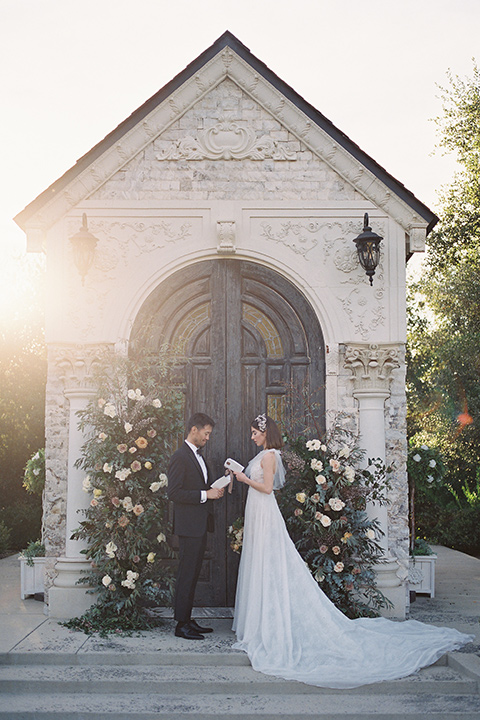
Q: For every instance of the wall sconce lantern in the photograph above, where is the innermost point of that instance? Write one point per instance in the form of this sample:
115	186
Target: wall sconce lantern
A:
368	248
84	244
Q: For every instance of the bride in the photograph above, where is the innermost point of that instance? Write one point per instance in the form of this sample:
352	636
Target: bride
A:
283	620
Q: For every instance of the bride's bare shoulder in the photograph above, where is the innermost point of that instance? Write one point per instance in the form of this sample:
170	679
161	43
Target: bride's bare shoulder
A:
268	459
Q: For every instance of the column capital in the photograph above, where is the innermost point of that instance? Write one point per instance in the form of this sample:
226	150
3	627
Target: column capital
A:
371	365
75	364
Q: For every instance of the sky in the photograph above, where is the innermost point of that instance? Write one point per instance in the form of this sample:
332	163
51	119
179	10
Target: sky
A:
72	70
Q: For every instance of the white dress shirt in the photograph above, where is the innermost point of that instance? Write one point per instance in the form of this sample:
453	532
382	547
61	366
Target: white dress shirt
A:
201	462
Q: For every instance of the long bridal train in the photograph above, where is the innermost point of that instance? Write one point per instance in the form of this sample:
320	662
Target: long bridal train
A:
289	628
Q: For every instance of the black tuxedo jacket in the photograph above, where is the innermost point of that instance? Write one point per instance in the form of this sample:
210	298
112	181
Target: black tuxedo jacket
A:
191	518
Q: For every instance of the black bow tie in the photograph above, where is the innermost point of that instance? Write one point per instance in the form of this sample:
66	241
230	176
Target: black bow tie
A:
199	451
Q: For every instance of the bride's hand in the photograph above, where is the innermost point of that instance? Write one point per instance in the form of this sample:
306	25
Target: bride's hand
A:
241	477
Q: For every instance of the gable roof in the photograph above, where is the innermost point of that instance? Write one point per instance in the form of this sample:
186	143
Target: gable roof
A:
228	40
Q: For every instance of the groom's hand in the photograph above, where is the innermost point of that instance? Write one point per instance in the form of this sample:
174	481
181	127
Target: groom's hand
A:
215	493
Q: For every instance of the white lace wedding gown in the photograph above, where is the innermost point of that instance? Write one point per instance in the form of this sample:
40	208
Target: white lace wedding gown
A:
289	628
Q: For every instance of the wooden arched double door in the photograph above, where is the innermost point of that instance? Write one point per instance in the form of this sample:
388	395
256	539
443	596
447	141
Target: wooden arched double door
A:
246	334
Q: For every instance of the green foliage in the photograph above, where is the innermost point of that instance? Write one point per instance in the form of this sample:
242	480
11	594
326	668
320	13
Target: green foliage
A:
421	547
5	533
34	549
23	371
324	505
444	330
34	475
132	423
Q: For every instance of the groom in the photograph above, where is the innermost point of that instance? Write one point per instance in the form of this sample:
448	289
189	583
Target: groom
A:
189	481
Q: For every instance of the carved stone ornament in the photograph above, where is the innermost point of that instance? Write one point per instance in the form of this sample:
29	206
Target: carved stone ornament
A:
75	364
226	238
372	365
227	140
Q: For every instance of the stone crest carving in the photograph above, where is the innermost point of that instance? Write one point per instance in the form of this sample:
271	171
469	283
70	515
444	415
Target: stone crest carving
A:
372	365
227	140
226	238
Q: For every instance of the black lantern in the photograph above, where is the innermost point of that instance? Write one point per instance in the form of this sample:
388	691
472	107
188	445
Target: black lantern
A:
84	244
368	248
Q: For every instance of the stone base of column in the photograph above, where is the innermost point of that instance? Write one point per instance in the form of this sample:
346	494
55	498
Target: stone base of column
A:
393	587
66	599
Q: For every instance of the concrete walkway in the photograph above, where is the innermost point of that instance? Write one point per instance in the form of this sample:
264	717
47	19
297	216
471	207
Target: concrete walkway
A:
24	626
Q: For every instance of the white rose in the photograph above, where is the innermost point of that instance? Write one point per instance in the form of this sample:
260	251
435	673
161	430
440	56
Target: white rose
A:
316	465
325	520
156	403
127	503
349	473
102	436
106	580
123	474
163	479
370	534
336	504
432	463
110	549
430	479
323	448
107	468
417	458
131	394
424	447
321	479
151	557
109	410
338	567
128	427
155	486
161	537
344	452
87	485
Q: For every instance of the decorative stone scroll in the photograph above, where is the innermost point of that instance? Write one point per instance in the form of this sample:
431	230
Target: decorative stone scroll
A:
372	365
227	140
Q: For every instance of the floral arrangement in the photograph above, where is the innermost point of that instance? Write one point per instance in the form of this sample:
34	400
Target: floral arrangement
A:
324	505
34	475
132	432
425	466
235	535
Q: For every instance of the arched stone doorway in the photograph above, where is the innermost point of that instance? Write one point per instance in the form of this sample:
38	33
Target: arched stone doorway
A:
245	333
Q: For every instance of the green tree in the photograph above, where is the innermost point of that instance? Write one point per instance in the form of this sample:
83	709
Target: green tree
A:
444	326
22	401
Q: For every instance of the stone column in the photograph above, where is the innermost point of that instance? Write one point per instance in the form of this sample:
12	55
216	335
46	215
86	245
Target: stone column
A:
371	366
67	599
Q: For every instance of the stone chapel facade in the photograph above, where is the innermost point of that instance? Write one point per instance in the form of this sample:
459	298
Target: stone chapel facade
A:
226	207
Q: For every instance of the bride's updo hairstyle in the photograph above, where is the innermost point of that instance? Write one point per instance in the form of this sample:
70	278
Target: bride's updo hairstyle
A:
264	423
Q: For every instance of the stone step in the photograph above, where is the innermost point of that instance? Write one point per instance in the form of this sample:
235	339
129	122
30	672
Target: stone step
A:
194	679
155	706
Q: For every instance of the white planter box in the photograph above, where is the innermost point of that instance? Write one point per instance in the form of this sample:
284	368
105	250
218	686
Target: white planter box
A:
32	578
421	574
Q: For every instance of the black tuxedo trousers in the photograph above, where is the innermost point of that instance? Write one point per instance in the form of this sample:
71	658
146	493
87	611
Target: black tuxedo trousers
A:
191	521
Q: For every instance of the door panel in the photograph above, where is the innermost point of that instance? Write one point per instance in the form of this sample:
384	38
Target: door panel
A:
245	333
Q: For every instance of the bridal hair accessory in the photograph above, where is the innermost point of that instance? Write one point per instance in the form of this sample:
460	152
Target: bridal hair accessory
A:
261	421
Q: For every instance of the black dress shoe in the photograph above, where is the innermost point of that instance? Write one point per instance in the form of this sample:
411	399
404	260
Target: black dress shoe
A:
193	624
187	632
